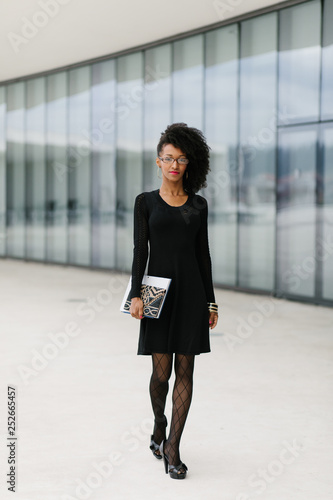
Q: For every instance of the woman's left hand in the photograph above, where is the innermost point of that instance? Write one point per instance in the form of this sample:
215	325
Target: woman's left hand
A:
213	319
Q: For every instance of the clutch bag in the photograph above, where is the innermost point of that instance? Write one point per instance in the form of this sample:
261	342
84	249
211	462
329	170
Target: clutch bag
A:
153	292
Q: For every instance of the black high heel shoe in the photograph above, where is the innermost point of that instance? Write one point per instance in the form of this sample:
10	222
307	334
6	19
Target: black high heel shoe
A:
175	472
154	446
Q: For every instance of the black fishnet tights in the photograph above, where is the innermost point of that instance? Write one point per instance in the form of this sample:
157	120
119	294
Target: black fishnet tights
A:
158	388
181	399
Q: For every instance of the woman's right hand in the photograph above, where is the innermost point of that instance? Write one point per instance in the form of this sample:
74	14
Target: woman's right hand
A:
136	309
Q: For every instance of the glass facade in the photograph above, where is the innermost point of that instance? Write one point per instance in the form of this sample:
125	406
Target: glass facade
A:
56	168
257	136
296	222
157	107
16	171
327	66
79	166
221	129
129	163
2	172
78	145
103	181
35	169
299	63
188	81
325	207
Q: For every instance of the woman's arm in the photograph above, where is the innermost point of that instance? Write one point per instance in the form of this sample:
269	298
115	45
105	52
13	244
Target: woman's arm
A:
203	255
204	260
140	253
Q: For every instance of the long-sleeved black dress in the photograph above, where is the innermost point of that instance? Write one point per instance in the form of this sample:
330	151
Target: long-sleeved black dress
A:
178	249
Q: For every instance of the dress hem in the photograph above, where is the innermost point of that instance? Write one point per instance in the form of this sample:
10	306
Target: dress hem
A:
173	352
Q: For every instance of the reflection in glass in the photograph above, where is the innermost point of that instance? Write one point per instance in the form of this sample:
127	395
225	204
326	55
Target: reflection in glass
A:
326	243
299	63
296	211
83	147
221	112
15	170
188	79
103	96
157	108
258	82
130	91
79	166
2	171
327	62
57	167
35	169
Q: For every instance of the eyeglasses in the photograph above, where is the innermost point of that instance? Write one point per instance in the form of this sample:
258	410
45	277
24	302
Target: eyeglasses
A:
169	161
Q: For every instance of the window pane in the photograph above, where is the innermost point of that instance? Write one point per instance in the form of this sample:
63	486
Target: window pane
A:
221	130
57	167
79	166
296	211
299	63
327	58
326	244
130	90
15	170
35	169
188	81
103	95
258	83
157	108
2	171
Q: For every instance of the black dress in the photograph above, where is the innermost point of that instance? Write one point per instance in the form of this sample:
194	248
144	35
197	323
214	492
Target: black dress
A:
178	249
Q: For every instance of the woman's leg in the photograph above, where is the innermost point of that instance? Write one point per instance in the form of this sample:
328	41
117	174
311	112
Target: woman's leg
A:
181	400
158	388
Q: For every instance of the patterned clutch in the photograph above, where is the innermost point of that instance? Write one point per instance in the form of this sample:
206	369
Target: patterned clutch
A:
153	293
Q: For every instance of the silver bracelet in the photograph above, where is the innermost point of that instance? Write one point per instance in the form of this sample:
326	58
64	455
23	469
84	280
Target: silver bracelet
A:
212	307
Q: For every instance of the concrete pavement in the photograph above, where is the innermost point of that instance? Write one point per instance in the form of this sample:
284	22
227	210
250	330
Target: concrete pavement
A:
260	424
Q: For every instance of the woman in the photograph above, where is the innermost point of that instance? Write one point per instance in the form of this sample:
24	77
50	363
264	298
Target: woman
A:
173	220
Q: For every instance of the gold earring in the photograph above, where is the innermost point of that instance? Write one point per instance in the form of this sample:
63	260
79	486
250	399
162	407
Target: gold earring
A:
158	171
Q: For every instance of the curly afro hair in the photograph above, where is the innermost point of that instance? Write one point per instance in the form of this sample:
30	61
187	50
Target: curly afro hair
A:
192	143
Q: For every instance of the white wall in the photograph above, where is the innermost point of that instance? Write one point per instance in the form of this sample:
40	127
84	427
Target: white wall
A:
38	35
